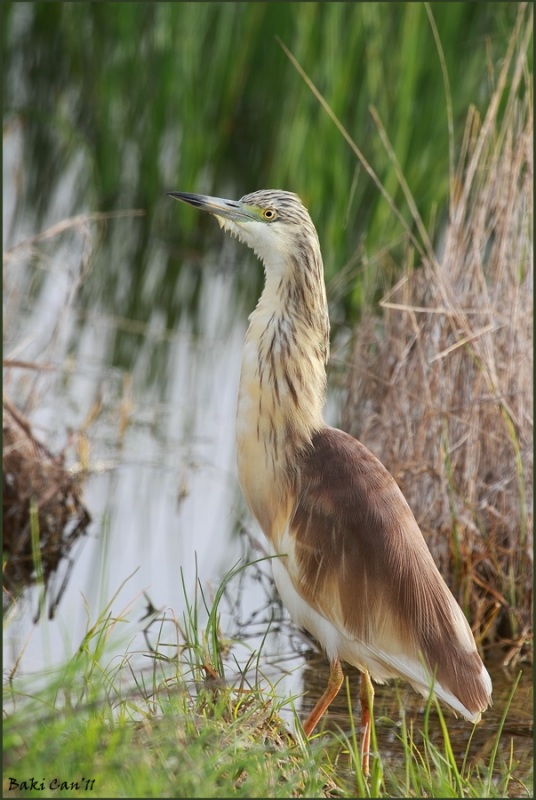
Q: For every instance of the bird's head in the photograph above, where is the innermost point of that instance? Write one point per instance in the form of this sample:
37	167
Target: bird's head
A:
274	223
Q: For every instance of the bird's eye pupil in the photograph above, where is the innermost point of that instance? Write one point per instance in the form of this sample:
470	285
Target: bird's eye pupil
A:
269	213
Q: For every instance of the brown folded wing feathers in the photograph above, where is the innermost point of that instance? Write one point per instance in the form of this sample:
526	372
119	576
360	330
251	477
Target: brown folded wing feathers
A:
368	559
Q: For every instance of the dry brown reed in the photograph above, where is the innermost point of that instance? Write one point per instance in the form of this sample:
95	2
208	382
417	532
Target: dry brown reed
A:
441	387
43	513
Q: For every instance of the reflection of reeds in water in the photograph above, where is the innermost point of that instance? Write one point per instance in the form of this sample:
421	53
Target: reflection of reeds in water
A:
441	388
43	510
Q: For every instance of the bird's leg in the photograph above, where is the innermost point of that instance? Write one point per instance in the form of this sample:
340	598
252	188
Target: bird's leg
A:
366	697
334	684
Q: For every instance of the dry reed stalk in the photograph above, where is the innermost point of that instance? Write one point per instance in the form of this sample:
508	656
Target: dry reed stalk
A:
441	388
33	475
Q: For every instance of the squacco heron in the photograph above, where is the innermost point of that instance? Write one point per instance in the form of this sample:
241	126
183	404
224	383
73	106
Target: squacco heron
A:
353	567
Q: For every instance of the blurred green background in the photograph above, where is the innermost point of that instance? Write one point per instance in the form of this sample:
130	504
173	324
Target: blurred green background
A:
124	101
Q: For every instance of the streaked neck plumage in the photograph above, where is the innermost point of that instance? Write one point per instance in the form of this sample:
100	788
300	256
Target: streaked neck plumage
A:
282	382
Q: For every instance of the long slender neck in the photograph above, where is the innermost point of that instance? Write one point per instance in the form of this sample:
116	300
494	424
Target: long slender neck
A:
282	385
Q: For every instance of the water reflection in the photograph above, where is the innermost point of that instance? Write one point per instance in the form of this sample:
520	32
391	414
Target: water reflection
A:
161	487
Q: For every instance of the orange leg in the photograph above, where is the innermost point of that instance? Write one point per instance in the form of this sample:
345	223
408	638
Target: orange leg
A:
366	696
334	684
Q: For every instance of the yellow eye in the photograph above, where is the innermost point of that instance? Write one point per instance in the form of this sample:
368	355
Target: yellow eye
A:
269	214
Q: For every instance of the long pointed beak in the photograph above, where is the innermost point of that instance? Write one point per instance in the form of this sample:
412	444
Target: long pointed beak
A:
231	209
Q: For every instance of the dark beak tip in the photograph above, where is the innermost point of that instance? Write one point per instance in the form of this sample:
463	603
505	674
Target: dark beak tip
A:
186	197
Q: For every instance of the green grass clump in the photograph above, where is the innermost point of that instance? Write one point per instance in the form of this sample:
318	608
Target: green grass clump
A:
179	728
176	729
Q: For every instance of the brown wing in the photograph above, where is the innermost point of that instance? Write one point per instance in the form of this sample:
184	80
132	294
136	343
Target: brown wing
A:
362	562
